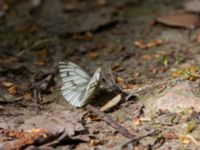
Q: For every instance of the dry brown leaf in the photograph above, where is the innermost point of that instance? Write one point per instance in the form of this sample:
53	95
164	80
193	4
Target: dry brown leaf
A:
39	63
37	131
179	19
112	103
150	44
44	53
95	142
184	139
93	55
154	43
7	84
117	68
55	122
147	57
137	121
27	96
140	44
12	90
119	79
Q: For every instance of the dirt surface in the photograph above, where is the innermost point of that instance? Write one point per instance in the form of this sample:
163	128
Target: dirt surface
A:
148	51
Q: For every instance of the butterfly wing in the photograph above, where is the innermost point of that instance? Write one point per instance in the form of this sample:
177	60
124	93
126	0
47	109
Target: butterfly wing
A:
75	82
93	84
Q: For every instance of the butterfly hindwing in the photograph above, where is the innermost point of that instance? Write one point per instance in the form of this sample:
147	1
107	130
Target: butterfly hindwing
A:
77	85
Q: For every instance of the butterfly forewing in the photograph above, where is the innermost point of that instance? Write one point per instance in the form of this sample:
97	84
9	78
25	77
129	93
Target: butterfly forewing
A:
75	83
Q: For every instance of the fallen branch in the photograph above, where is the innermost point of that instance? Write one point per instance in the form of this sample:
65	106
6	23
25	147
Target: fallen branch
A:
110	121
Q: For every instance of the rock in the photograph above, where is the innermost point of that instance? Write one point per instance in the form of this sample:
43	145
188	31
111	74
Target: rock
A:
177	99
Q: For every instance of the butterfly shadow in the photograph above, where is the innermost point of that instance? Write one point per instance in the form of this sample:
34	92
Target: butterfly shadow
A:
104	95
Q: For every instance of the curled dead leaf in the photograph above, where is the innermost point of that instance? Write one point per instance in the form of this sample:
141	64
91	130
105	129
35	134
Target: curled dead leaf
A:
12	90
112	103
117	68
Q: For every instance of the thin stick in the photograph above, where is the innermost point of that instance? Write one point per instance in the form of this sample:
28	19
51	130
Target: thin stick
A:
136	139
38	83
110	121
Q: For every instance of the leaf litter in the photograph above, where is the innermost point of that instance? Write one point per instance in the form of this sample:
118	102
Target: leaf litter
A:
161	112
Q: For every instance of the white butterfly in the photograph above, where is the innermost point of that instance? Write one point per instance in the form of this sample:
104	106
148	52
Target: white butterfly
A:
78	86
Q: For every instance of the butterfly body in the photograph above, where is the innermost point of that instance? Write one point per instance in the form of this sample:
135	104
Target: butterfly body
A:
78	86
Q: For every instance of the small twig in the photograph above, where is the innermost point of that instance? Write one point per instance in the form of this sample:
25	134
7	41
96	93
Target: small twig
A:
36	84
136	139
110	121
113	80
61	137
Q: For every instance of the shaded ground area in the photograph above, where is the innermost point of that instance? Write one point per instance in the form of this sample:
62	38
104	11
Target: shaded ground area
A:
148	51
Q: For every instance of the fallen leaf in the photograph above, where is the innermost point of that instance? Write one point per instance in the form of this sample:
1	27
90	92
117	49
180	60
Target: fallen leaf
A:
112	103
119	79
7	83
137	121
94	142
37	131
20	139
147	57
184	139
154	43
12	90
179	19
27	96
39	63
56	122
93	55
117	68
150	44
140	44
